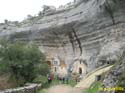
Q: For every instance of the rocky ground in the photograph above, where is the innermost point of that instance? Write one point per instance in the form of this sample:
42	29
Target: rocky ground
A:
116	77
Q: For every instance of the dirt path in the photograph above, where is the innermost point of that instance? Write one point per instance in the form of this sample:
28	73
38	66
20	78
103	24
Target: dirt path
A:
87	81
63	89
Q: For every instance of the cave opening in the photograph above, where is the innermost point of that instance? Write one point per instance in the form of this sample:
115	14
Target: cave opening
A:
80	70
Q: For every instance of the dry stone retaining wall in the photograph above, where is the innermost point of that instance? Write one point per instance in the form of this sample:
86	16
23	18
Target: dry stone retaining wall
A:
32	88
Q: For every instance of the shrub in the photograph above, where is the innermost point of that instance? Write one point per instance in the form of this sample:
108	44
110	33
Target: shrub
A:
22	61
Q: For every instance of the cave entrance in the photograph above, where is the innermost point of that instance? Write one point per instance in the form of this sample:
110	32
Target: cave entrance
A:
80	70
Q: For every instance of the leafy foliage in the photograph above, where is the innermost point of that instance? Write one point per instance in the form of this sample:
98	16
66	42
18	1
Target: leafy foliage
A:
94	88
40	79
22	61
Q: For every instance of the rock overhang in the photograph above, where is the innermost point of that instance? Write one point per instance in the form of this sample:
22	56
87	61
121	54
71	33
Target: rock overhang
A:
82	28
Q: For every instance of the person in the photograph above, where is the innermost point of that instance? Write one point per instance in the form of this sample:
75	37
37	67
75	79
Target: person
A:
60	80
49	79
67	79
63	80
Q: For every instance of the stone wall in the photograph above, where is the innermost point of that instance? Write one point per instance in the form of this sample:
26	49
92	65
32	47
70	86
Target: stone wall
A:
31	88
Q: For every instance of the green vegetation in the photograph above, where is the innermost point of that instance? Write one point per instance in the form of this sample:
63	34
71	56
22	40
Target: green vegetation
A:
72	83
56	82
46	85
40	79
94	88
24	62
42	91
122	79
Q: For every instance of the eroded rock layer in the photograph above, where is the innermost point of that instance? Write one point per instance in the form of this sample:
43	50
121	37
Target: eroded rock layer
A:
84	31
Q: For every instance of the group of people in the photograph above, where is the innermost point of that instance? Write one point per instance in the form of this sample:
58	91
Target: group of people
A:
62	80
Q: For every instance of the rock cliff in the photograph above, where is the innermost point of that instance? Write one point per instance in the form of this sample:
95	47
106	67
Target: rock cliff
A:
85	30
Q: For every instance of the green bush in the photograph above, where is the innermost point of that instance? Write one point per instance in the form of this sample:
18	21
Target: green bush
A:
40	79
22	61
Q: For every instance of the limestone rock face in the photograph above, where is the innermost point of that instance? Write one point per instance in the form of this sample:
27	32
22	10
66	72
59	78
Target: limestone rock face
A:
114	77
85	30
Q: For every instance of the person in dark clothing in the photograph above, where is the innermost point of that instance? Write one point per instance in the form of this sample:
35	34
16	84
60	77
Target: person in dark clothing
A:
49	79
63	80
67	80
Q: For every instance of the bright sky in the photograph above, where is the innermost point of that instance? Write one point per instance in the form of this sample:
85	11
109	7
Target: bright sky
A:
17	10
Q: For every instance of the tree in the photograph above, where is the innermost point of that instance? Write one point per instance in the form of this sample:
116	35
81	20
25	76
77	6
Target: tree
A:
22	61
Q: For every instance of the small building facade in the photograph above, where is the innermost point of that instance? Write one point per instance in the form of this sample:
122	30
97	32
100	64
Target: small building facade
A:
79	66
57	66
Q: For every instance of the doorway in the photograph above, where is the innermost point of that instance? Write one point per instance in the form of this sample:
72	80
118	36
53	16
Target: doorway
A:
49	63
80	70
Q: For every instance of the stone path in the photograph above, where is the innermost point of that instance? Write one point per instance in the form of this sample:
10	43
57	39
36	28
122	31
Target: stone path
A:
87	81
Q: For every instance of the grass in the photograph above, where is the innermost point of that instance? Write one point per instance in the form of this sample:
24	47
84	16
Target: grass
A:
42	91
72	83
94	88
45	84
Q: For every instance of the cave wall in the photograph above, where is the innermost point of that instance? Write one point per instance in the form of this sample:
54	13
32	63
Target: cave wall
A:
81	32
